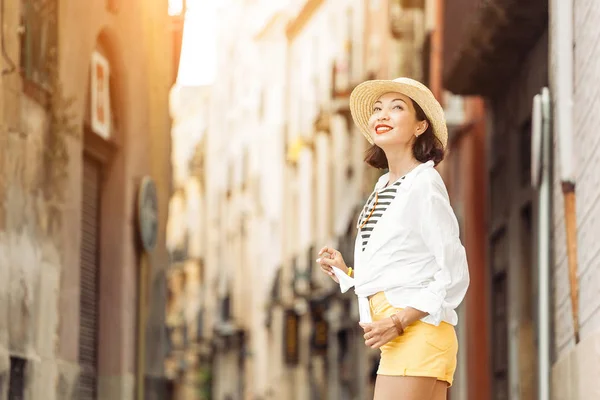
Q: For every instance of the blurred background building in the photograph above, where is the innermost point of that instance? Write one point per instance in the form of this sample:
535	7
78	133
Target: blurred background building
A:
283	172
282	163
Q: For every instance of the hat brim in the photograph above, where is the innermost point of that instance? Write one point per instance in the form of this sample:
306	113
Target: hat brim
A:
365	95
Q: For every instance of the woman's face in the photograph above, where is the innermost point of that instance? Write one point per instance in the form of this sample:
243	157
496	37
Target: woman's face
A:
393	121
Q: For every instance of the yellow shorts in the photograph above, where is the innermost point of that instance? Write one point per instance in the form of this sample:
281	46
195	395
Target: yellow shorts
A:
423	349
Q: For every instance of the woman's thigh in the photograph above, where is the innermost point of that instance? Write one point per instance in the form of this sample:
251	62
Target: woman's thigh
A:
440	391
405	388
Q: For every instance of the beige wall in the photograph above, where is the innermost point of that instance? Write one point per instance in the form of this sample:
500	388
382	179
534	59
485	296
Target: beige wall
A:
39	240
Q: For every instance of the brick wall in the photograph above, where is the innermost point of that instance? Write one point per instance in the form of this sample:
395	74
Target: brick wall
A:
586	120
576	368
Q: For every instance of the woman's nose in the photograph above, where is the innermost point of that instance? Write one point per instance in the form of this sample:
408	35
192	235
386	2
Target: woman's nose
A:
383	116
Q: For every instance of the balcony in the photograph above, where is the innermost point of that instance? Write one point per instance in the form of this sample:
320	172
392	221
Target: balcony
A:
485	42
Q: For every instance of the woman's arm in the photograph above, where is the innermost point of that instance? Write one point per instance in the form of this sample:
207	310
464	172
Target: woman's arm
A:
332	263
440	232
381	332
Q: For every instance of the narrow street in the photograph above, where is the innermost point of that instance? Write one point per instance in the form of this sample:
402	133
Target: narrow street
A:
170	171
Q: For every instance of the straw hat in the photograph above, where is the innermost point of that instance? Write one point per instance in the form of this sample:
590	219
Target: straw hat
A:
365	95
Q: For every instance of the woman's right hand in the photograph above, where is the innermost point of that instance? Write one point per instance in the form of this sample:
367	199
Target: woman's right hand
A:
329	258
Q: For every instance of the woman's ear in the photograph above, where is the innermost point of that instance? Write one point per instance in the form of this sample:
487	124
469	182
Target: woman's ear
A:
422	127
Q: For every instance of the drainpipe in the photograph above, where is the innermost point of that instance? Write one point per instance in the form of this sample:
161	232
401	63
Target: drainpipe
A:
561	17
437	44
541	146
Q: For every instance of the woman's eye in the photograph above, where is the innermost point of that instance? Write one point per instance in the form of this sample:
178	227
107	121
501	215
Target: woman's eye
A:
398	107
376	109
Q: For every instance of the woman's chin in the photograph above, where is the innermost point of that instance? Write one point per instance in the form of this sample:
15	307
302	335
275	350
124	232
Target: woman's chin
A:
385	141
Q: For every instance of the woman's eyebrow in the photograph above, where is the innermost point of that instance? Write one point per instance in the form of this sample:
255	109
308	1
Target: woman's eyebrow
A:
379	101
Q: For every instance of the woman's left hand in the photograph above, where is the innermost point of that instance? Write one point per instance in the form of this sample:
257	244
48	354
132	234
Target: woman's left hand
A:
379	332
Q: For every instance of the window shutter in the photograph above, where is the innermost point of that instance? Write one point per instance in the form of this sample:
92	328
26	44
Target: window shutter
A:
88	313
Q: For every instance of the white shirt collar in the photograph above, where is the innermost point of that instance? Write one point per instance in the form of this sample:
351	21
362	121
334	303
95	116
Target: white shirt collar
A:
383	180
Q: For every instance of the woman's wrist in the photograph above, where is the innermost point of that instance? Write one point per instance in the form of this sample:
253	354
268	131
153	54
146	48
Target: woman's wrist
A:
409	316
347	270
398	324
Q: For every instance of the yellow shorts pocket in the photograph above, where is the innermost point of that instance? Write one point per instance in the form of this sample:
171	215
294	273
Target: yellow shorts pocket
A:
442	337
379	304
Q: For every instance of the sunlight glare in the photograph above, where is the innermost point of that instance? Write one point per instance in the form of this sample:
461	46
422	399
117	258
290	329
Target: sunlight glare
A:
175	7
199	48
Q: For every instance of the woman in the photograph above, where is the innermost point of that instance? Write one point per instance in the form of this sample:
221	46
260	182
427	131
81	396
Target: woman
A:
410	266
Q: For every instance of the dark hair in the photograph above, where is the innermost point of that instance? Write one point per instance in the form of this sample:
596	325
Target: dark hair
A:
425	148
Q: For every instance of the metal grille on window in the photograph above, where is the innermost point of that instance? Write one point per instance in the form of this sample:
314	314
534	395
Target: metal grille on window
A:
88	314
16	385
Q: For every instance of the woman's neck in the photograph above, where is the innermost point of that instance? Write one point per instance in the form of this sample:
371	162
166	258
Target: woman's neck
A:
400	163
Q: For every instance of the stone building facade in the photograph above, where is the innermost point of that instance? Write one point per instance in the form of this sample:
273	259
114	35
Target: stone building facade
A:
187	364
72	155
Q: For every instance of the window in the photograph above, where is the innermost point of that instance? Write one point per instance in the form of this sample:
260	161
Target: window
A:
225	308
38	40
499	314
525	154
16	385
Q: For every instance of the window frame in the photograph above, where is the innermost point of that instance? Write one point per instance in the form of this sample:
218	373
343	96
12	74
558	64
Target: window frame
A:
38	47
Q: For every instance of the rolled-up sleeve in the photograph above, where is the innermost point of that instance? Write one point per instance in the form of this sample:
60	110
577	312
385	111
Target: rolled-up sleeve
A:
440	232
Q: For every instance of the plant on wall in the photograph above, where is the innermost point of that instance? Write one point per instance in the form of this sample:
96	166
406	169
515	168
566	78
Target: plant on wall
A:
62	125
62	120
39	73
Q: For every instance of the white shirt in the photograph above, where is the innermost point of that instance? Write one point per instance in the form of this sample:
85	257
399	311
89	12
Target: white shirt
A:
414	254
376	205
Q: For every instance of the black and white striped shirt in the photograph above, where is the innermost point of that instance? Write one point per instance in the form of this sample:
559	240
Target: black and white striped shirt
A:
385	197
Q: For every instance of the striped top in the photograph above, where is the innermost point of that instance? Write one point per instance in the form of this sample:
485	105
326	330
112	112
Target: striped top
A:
385	197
